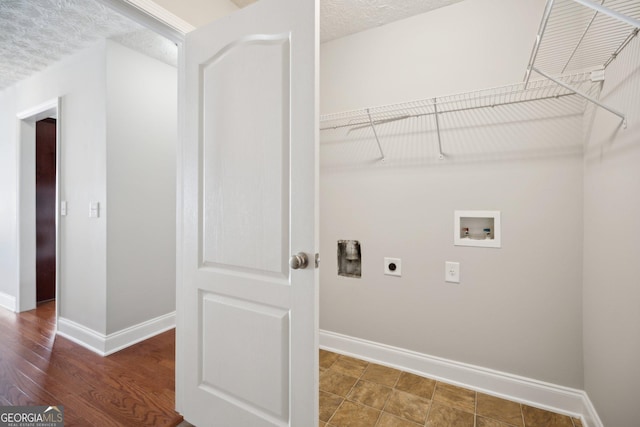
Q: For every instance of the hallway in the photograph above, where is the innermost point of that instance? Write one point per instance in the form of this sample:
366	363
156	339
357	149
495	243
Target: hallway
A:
134	387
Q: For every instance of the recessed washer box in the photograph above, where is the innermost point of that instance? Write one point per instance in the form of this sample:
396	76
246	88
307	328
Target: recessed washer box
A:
393	267
477	228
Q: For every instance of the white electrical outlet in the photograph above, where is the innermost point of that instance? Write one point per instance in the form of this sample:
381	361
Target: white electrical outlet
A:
393	267
452	272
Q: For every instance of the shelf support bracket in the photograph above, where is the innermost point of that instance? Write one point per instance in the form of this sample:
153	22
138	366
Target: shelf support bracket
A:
435	109
536	46
584	95
373	126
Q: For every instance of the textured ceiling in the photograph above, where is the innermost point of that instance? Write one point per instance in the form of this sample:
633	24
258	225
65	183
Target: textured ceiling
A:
37	33
339	18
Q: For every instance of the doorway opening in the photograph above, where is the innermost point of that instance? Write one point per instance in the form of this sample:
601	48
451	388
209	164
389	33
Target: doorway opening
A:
46	210
38	217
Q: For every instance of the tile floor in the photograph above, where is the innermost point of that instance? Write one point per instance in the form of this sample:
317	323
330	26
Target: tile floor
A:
356	393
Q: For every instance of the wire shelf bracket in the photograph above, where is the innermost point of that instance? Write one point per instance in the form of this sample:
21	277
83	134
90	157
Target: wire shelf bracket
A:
571	38
435	112
373	127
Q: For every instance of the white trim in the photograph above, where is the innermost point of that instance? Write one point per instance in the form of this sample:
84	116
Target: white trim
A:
26	297
163	15
153	16
140	332
532	392
8	301
590	416
40	111
105	345
79	334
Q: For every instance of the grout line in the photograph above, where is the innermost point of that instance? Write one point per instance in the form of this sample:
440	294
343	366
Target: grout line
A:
336	411
389	396
433	395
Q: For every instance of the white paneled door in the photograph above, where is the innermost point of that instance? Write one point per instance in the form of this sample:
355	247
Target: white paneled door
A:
247	320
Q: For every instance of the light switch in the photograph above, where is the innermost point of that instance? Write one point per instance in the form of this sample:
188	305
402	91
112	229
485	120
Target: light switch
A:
452	272
94	209
63	208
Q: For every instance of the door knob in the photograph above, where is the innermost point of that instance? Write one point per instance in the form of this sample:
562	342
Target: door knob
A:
299	260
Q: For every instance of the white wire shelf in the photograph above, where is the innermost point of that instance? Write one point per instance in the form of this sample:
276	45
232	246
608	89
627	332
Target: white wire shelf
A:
486	98
576	41
581	35
437	110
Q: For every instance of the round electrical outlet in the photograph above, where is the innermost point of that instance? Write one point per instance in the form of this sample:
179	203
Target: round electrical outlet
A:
393	267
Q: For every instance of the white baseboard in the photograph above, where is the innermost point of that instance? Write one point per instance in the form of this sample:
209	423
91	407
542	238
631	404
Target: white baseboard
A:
105	345
532	392
590	416
7	301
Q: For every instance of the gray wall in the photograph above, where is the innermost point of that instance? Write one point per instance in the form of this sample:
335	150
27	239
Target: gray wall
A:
80	81
141	167
118	125
517	309
8	195
611	254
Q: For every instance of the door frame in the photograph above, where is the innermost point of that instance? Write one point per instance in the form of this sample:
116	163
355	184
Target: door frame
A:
173	28
26	201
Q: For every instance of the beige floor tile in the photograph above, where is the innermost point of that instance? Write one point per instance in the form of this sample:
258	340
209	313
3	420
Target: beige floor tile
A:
370	394
349	366
499	409
487	422
327	358
408	406
358	390
417	385
352	414
328	405
446	416
388	420
336	383
381	375
534	417
456	397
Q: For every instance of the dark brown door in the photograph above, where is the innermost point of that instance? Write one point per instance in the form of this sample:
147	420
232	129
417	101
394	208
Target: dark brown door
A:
45	210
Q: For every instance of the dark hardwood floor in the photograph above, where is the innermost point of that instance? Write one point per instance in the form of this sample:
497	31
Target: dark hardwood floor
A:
134	387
